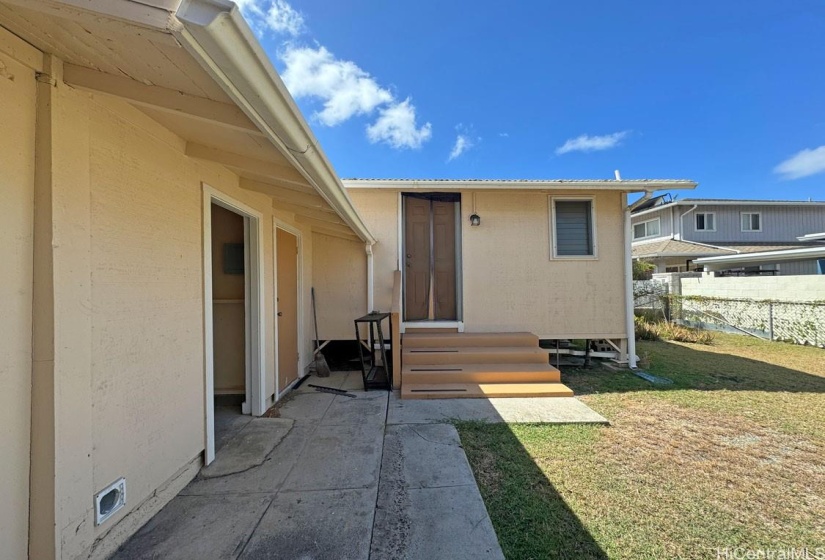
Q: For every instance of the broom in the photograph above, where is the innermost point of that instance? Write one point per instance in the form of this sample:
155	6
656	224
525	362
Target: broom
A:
321	366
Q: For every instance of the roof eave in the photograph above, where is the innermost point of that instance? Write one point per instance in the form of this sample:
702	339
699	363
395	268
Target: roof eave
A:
765	256
434	185
216	34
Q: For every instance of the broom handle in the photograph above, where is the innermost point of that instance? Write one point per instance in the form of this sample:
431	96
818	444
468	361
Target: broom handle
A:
315	320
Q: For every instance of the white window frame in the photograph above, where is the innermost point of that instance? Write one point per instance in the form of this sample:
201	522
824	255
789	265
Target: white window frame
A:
593	228
706	214
647	235
742	215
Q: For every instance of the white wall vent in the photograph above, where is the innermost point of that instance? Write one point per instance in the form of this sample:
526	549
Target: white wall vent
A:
109	500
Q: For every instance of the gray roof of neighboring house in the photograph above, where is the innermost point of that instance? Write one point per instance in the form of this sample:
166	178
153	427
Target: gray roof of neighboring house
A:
678	248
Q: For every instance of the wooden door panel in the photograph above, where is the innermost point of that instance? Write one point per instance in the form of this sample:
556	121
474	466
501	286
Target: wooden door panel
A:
444	252
287	307
416	259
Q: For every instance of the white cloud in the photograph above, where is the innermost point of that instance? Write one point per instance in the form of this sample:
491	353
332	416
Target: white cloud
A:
276	16
345	89
396	126
283	18
585	143
504	134
802	164
462	144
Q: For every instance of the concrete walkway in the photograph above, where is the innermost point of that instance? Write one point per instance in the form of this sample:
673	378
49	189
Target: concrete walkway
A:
333	478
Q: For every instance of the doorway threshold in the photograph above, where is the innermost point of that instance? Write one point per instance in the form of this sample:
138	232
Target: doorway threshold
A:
458	325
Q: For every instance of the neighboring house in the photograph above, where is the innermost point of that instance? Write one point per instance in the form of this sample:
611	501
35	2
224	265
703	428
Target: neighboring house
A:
166	210
673	234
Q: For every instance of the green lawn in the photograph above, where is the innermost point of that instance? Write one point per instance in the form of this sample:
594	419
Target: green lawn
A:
732	454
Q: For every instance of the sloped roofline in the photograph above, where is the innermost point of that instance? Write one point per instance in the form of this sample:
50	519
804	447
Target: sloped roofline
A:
216	34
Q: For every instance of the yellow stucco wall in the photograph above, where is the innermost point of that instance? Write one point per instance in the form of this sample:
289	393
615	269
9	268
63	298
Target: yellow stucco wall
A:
17	111
340	280
341	267
136	337
147	295
510	281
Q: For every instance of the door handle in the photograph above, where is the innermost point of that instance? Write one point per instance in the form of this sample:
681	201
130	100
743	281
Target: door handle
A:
280	313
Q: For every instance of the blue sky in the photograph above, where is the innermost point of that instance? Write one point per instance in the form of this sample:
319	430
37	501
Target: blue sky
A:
730	93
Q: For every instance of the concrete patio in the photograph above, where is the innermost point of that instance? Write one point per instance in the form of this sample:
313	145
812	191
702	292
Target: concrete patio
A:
338	477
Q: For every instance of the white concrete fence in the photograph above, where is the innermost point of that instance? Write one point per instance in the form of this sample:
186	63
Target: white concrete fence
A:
788	308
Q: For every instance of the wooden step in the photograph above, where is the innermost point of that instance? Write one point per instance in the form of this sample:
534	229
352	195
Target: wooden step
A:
453	340
475	355
483	390
480	373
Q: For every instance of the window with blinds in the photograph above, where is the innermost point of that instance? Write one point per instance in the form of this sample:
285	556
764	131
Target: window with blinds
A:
573	232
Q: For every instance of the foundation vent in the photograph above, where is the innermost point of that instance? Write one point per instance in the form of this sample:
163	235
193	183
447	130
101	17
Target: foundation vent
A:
109	500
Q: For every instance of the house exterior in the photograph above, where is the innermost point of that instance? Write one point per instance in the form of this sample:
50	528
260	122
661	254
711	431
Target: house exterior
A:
672	234
548	257
165	212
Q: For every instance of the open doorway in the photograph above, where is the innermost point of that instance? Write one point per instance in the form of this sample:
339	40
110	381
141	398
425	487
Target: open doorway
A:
233	313
229	301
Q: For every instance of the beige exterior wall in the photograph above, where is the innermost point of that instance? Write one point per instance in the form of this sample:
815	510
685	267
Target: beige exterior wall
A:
341	267
379	209
340	280
510	281
17	111
126	376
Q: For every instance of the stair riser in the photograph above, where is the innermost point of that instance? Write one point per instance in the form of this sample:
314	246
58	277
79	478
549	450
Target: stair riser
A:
428	378
469	357
476	341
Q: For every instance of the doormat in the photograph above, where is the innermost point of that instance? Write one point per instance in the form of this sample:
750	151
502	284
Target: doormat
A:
652	378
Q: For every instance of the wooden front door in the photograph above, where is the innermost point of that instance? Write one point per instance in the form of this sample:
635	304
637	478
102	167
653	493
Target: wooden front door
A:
430	258
287	307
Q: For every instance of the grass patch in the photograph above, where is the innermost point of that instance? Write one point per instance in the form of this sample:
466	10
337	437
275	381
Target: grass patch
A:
731	455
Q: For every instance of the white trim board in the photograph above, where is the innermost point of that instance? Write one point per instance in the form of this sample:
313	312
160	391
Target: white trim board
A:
459	325
255	345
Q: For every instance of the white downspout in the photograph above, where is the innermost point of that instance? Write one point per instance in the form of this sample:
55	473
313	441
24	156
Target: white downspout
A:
628	276
370	277
682	220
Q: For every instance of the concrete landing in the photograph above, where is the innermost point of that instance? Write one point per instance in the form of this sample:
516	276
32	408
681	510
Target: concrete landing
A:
558	410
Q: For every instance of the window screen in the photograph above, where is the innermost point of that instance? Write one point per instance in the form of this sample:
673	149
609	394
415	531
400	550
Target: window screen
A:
574	228
705	222
751	222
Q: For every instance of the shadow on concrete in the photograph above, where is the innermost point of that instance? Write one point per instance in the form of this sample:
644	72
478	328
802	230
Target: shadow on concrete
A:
695	367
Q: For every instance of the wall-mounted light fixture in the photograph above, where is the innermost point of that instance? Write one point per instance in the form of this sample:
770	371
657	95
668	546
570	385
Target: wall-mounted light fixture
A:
475	220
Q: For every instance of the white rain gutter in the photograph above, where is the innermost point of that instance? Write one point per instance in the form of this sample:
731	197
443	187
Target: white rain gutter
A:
626	185
216	34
